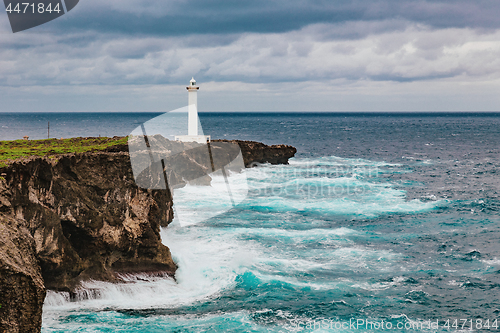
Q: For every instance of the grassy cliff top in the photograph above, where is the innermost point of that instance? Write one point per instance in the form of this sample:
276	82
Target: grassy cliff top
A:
11	150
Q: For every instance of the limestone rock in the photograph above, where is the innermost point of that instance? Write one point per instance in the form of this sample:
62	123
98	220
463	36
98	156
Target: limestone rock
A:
22	291
88	219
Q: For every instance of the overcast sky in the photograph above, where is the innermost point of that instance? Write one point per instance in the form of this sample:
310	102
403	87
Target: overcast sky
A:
260	55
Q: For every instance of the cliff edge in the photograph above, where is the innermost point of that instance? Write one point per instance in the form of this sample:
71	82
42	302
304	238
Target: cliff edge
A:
65	218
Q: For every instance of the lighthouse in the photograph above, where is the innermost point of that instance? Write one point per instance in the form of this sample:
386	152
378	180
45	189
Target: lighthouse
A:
193	135
192	107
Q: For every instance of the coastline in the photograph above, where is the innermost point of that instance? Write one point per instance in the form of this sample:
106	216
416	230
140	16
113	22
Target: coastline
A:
78	216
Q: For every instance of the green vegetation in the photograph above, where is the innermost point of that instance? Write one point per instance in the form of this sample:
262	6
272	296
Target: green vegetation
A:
11	150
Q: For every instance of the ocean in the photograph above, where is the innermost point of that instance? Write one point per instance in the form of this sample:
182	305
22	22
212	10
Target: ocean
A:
382	222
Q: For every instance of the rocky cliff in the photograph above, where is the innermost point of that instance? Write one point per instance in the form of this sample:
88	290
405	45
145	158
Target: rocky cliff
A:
21	285
68	218
255	153
72	218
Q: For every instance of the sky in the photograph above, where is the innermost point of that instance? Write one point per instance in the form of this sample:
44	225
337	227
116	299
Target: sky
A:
258	55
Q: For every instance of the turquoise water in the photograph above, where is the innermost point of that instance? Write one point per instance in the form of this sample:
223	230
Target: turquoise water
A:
280	256
380	220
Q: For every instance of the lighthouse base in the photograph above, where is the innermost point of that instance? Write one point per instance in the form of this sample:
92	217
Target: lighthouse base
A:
193	138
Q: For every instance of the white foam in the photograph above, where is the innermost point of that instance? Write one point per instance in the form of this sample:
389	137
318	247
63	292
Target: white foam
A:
337	161
195	204
208	261
491	262
210	257
300	234
281	188
390	202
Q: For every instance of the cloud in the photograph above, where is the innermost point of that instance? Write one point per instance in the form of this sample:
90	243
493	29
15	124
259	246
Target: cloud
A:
156	42
416	53
129	46
184	17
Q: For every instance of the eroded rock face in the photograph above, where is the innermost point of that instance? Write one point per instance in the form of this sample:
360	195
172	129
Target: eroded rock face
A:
255	153
87	217
186	161
21	285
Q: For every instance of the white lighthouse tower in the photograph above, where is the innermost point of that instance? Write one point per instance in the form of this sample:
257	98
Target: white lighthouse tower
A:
193	117
192	108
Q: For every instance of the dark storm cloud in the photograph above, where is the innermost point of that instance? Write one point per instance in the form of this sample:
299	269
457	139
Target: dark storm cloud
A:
156	42
263	16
